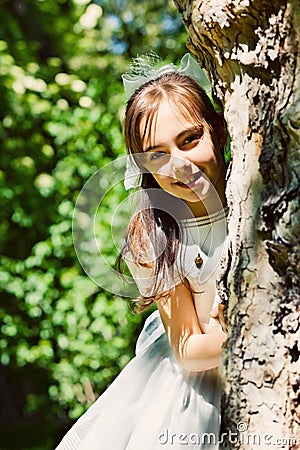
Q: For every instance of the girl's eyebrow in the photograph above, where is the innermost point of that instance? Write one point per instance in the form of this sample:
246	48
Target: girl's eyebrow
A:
193	129
152	147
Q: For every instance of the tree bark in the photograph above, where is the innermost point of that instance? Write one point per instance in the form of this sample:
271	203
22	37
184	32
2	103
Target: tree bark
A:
250	50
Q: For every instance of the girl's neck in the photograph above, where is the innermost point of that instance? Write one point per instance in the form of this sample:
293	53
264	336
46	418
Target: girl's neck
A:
201	210
213	204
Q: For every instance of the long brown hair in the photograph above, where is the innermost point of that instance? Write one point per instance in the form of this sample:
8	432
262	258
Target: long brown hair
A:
153	223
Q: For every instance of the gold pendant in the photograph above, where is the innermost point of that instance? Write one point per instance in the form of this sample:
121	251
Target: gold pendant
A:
198	261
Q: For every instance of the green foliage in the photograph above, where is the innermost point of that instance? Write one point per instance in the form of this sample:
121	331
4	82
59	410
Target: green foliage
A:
63	339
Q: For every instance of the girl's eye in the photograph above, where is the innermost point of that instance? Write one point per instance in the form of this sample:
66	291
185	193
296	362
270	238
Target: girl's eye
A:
156	155
192	138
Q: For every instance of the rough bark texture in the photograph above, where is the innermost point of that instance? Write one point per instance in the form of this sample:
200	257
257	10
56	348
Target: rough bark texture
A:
250	50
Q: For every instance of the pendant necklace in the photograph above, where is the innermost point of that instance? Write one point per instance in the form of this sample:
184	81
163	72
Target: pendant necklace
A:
198	260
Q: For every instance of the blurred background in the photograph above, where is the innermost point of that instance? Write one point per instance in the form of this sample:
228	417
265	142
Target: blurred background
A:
62	338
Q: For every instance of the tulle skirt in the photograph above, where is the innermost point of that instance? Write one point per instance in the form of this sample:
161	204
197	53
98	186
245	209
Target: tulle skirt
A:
152	405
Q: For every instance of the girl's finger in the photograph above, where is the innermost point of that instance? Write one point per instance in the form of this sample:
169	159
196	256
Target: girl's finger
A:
214	312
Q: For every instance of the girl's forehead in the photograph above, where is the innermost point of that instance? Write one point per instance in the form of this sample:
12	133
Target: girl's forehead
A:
168	119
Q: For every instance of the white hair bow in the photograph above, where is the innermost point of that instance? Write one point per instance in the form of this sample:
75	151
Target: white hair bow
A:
143	70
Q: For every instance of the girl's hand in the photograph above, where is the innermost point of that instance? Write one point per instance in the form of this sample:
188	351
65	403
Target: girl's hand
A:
211	329
217	313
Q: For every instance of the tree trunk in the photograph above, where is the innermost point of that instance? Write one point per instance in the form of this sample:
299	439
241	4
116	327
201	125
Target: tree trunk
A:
250	50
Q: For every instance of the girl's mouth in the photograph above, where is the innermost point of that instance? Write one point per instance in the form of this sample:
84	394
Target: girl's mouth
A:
190	181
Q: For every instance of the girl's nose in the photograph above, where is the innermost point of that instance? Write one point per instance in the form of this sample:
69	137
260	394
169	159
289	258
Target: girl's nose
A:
180	166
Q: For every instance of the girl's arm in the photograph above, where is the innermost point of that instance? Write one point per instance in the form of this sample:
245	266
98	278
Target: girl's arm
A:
194	349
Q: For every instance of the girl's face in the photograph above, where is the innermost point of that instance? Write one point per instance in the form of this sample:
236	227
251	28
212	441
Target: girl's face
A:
185	159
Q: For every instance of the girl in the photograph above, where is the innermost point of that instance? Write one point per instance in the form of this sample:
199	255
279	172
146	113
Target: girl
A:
168	395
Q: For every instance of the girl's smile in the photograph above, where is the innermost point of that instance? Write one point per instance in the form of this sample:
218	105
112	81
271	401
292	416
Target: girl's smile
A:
185	159
191	181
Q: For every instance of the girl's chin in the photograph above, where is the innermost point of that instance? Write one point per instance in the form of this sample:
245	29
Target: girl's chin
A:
207	197
198	195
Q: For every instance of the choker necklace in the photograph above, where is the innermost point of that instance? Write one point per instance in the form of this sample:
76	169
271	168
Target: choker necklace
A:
198	260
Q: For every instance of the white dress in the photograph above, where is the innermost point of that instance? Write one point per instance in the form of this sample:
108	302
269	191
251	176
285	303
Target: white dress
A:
155	404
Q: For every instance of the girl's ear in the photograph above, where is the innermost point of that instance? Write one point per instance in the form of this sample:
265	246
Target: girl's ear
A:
221	131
